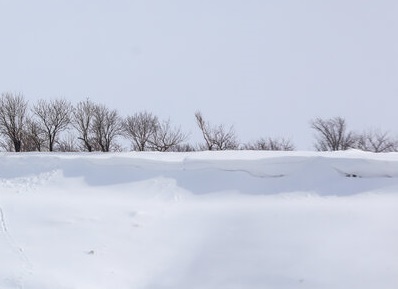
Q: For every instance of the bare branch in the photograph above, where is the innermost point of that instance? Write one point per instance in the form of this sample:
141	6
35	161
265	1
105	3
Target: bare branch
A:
12	118
166	137
377	141
332	134
270	144
67	144
53	117
106	127
83	118
217	137
140	128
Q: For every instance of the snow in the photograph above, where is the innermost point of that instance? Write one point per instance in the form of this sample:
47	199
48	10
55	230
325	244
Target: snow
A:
235	219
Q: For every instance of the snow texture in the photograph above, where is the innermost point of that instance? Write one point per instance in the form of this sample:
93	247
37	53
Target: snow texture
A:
235	219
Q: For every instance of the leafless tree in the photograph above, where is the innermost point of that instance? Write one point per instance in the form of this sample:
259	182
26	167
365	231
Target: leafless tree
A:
332	134
185	147
107	126
140	128
270	144
13	109
53	117
376	141
83	119
6	145
34	138
166	137
216	137
67	144
117	147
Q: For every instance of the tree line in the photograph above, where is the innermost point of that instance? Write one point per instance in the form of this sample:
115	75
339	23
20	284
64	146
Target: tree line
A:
333	134
58	125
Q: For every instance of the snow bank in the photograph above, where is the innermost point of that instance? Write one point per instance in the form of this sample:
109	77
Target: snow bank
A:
199	220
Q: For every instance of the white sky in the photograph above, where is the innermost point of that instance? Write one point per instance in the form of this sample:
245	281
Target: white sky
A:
267	67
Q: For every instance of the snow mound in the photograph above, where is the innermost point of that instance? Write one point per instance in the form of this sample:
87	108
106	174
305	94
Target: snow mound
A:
206	172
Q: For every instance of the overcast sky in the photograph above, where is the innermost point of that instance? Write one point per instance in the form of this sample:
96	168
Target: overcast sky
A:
266	67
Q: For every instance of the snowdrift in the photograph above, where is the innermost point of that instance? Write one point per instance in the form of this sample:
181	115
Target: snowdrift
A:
248	172
235	219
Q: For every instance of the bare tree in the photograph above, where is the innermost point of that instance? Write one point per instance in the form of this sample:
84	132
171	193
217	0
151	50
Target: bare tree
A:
332	134
376	141
12	118
140	128
166	137
185	147
34	138
53	117
83	119
217	137
67	144
106	127
6	145
270	144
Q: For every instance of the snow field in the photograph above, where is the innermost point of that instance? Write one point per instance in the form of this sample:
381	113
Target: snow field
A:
228	220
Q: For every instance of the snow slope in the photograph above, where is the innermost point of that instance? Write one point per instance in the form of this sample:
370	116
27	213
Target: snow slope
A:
228	220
